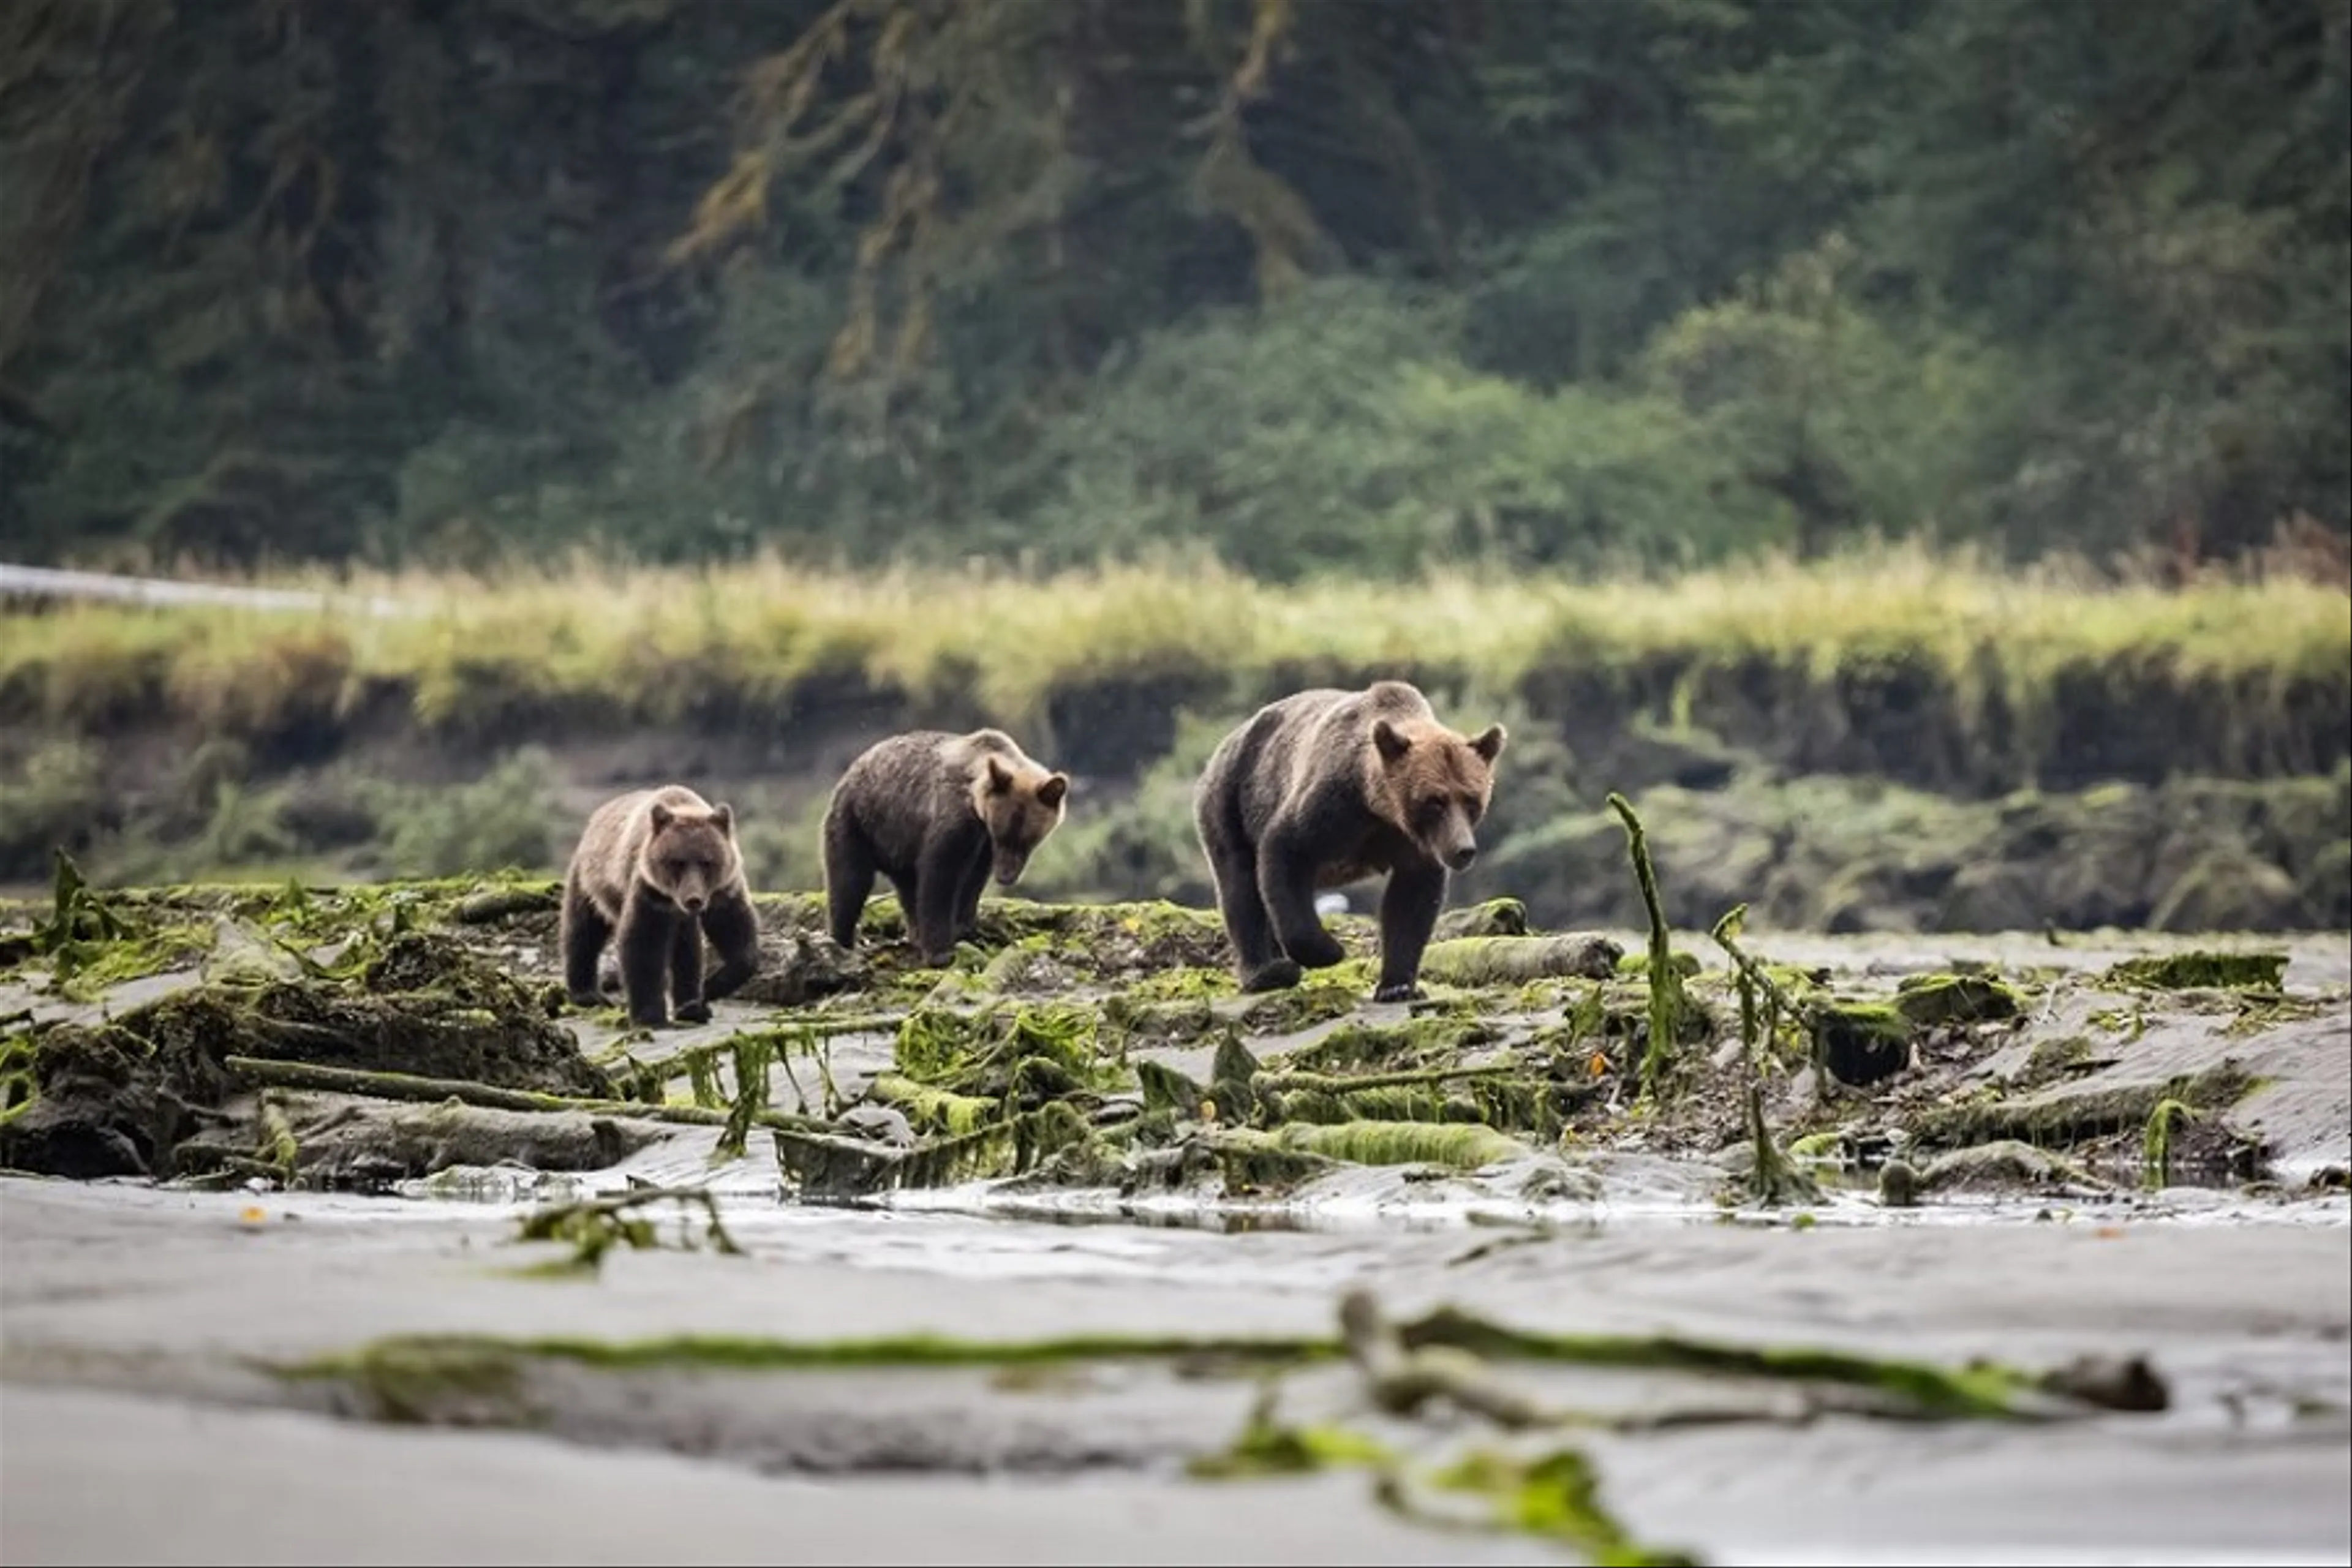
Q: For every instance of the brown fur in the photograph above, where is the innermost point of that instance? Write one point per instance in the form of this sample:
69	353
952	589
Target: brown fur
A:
933	812
659	868
1326	787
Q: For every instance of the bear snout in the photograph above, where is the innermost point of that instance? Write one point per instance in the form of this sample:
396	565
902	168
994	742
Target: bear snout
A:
1458	859
693	902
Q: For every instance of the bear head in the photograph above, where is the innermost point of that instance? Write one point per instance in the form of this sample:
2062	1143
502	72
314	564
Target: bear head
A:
690	855
1020	805
1435	784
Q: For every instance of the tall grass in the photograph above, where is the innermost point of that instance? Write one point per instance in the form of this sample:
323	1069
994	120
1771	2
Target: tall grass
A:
662	646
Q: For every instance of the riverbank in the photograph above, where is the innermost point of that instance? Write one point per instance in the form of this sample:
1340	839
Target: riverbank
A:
140	1323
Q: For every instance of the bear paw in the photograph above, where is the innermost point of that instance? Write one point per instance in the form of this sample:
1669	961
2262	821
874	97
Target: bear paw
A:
1398	991
693	1013
587	1001
1279	975
648	1018
1319	951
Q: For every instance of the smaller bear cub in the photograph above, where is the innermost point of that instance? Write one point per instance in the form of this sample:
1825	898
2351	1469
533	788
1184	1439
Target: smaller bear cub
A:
660	867
934	812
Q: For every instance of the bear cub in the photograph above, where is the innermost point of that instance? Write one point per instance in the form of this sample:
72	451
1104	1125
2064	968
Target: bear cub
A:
660	867
934	812
1325	787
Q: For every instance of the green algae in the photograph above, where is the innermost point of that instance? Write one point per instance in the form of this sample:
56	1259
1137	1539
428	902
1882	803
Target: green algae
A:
1667	1004
2046	1120
19	1083
1636	965
1898	1388
2053	1060
824	1164
746	1353
376	1085
1979	1391
2155	1139
1415	1041
932	1110
1267	1447
1458	1146
977	1053
2200	971
1482	961
1555	1496
1939	999
1496	917
594	1228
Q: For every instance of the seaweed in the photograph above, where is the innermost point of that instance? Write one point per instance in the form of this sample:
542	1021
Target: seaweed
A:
1667	1003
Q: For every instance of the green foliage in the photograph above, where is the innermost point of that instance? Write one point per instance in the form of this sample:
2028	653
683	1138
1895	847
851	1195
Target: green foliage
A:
47	806
1665	280
504	819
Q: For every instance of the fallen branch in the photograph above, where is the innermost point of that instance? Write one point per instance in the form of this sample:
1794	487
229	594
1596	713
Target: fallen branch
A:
408	1087
1666	1000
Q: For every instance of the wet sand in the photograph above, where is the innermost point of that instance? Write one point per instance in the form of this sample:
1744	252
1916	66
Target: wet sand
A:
132	1315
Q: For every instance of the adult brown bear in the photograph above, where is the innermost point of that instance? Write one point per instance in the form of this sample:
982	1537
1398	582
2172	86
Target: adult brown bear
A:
1325	787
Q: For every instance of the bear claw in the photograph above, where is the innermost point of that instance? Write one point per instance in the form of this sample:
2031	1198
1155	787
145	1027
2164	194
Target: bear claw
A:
1405	991
693	1013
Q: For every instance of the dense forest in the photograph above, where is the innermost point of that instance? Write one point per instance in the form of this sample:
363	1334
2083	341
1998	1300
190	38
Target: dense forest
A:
1317	286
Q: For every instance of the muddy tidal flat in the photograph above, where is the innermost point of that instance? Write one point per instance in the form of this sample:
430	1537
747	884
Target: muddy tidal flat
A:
332	1234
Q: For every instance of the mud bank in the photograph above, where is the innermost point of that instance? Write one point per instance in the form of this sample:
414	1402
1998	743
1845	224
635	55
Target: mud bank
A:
1007	1392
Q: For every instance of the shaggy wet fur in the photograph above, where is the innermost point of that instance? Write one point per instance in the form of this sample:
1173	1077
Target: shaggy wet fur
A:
659	868
934	812
1325	787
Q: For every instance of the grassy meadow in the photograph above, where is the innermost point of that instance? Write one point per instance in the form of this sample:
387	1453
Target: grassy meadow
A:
477	654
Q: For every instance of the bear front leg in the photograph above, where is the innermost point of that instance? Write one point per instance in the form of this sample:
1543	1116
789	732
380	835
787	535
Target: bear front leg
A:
1409	910
931	907
645	961
848	879
1286	880
582	934
967	904
733	927
687	1004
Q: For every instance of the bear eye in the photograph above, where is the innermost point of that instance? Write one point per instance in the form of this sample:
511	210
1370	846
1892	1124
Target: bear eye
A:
1470	806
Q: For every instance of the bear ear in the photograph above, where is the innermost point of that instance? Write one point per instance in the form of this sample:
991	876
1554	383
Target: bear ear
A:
723	817
1051	793
663	816
1490	745
1392	741
1000	777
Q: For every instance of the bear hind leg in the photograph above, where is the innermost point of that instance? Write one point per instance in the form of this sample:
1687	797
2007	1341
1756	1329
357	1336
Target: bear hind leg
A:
848	879
1286	880
1258	964
581	937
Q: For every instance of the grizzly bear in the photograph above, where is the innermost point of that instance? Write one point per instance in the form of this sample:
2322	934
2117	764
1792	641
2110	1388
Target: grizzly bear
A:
1324	787
933	811
661	868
